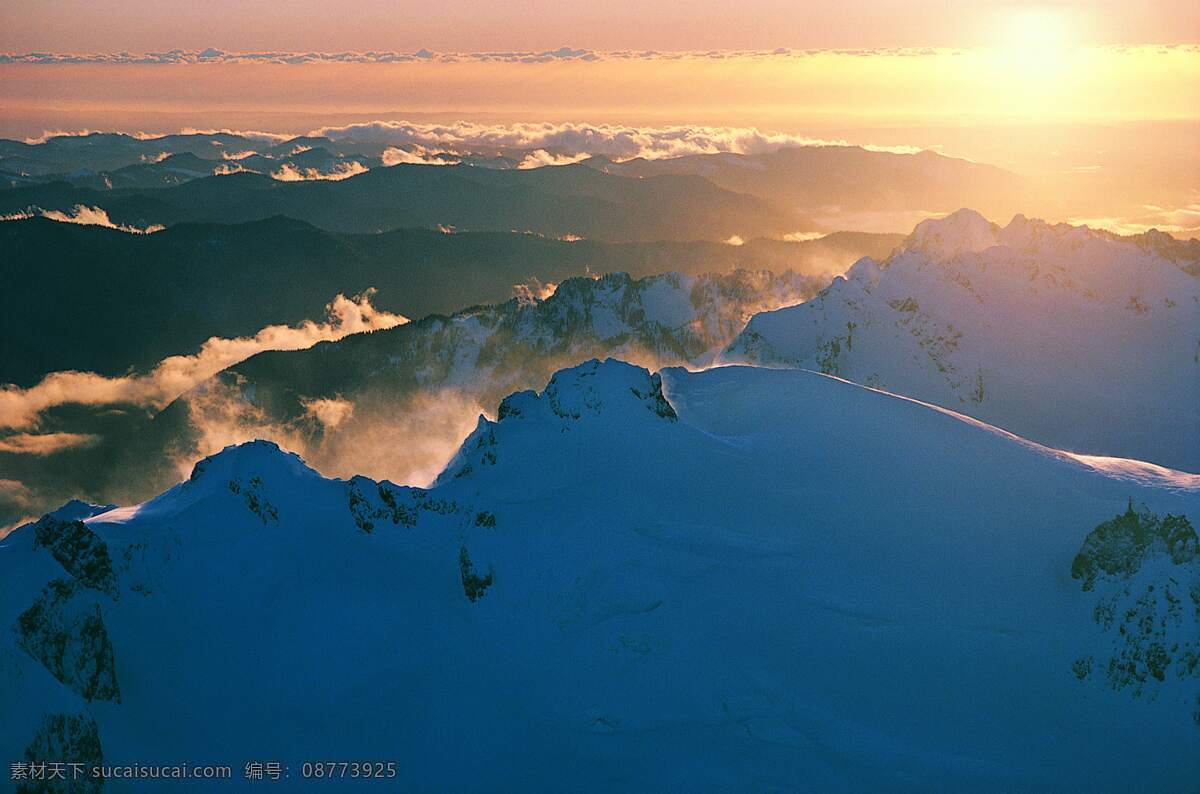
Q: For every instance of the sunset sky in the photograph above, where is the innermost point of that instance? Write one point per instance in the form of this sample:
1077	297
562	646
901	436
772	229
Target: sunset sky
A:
477	25
767	62
1052	89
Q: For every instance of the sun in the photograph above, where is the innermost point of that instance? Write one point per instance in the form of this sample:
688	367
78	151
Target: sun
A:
1036	28
1035	38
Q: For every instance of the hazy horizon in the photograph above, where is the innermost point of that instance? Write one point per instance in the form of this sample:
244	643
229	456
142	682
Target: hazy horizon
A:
1097	103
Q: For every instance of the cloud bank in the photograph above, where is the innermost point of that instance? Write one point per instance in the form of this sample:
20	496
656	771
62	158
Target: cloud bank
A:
407	440
290	173
1183	220
21	409
44	443
559	144
532	145
562	54
213	55
416	154
85	216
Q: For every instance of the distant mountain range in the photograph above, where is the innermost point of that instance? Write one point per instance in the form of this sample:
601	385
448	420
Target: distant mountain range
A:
135	299
757	579
1069	336
833	181
567	201
805	188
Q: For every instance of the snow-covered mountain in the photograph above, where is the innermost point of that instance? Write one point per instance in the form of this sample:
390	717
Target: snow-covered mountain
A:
1074	337
737	579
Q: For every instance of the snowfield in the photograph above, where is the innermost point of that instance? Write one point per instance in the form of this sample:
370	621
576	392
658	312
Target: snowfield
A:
733	580
1076	338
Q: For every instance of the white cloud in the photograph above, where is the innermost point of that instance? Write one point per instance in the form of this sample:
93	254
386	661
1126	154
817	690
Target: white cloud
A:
44	443
16	501
555	144
417	155
328	411
540	157
535	144
533	290
144	135
407	440
86	216
1183	221
562	54
15	491
290	173
22	408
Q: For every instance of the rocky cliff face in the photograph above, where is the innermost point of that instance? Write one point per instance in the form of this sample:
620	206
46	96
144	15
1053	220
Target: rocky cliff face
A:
1145	574
73	741
64	630
79	550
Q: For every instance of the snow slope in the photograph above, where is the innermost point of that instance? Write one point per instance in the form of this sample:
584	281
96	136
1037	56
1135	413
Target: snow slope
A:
732	580
1074	337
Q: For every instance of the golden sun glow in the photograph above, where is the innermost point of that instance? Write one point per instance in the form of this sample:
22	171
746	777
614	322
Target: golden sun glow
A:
1037	39
1038	27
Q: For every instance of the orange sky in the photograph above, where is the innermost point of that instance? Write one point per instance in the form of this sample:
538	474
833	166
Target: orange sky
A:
473	25
994	62
1066	90
987	85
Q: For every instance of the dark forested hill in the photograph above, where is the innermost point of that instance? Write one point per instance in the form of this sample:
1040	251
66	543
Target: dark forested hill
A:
564	201
92	298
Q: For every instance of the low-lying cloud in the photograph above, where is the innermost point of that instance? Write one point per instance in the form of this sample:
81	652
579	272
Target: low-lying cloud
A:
44	443
212	55
17	502
534	289
559	55
21	408
407	440
417	155
1179	221
329	412
531	145
83	215
540	157
558	144
290	173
